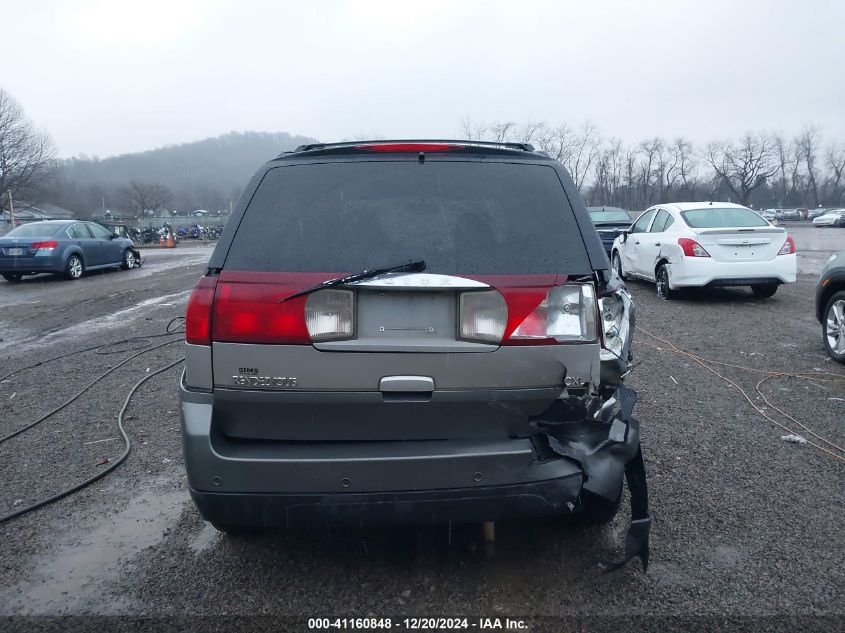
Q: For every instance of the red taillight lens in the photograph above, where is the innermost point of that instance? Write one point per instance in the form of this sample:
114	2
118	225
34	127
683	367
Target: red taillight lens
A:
250	312
692	248
788	247
409	147
47	246
198	314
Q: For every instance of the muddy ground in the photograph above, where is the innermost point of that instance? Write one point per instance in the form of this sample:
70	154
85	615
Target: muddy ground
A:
746	525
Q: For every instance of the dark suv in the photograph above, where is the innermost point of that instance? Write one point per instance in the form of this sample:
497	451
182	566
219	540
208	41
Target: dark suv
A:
408	331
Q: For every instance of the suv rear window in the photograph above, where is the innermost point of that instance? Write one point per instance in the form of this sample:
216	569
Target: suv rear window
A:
460	217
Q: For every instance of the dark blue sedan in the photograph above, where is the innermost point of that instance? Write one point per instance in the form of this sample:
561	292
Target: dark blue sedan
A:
69	247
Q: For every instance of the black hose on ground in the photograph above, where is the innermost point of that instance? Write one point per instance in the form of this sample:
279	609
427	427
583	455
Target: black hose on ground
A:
127	447
100	347
79	393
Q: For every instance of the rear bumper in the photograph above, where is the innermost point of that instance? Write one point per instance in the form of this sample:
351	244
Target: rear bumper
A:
281	484
489	503
703	271
31	265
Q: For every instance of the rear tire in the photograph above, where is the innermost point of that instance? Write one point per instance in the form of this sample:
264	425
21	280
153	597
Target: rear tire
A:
616	262
764	291
12	278
74	267
833	330
664	291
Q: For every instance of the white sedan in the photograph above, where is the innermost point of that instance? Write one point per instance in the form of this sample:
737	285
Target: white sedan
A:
697	244
831	218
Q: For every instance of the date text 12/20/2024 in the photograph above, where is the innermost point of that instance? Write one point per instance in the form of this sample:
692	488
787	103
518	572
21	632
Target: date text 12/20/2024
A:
418	624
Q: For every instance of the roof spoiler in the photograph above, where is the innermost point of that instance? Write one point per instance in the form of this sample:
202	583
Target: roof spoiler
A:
355	145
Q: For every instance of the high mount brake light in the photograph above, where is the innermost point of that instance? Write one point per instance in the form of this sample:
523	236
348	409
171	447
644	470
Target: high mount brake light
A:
561	314
692	248
46	246
198	314
788	247
409	147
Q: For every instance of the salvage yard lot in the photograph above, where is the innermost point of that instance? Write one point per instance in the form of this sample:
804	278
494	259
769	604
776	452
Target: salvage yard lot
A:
745	524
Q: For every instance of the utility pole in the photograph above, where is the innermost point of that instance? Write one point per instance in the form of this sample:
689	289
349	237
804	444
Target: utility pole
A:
11	209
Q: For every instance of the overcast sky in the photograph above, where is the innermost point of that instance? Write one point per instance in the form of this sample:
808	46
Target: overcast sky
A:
109	77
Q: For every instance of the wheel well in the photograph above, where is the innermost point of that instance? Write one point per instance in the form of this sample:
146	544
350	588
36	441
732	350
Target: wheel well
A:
829	290
659	263
78	254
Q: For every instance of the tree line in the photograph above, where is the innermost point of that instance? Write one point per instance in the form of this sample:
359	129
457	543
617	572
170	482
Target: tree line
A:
760	169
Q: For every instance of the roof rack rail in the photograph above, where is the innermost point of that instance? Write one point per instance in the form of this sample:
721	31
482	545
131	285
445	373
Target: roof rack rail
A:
312	147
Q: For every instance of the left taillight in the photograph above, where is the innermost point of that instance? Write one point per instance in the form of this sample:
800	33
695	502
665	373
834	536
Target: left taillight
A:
45	246
198	314
566	314
788	247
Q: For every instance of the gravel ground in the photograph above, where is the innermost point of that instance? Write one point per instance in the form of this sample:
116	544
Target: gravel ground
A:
746	525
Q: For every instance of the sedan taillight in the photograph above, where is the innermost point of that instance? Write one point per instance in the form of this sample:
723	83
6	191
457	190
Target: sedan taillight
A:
45	246
692	248
788	247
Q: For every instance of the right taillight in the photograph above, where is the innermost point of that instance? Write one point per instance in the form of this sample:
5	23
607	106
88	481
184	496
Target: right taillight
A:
198	314
692	248
483	316
565	314
788	247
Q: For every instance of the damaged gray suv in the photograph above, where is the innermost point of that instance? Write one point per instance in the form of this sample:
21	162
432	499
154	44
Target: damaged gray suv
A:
410	331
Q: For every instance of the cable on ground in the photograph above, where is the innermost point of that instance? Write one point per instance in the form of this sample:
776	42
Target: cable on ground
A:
769	374
127	447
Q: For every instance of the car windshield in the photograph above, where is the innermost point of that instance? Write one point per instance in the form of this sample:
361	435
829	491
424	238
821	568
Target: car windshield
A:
39	229
460	217
715	217
609	216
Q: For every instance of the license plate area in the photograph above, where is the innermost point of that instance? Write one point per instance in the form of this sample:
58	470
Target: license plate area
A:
14	252
386	315
406	321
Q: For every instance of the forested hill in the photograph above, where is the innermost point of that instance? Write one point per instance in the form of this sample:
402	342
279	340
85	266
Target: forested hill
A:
203	174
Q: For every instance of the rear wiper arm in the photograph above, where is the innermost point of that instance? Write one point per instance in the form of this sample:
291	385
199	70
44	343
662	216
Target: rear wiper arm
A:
410	267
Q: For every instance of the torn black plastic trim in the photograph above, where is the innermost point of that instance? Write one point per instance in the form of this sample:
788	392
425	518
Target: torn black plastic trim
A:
607	447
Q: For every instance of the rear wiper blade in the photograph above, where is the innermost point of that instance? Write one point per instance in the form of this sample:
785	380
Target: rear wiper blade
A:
410	267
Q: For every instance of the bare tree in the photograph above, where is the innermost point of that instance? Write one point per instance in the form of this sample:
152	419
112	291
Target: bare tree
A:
835	158
577	150
141	196
26	154
807	145
687	166
745	165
